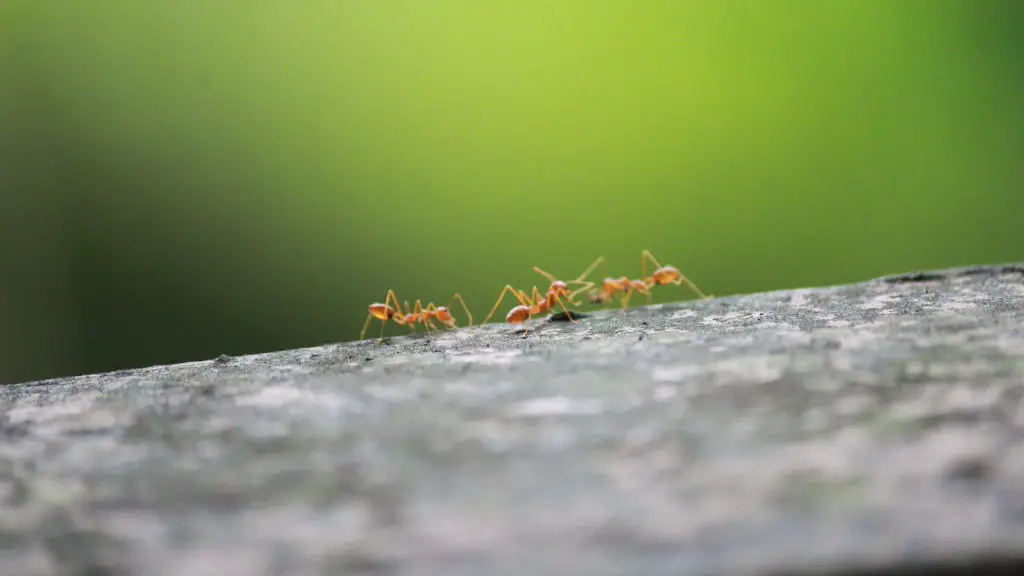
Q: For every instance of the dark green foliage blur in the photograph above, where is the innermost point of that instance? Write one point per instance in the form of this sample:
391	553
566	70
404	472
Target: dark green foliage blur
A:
187	178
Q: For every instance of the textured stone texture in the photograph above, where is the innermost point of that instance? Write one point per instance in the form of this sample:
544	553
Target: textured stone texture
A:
875	427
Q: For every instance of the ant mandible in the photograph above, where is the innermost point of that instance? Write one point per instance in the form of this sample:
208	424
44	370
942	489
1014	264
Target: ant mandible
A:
419	314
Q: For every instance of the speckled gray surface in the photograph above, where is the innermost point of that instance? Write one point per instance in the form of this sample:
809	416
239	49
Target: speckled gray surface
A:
876	424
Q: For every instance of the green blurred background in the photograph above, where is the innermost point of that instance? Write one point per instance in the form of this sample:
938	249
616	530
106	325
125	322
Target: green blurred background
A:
183	179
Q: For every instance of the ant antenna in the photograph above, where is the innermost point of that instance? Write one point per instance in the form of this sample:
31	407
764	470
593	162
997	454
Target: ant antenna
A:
465	308
579	279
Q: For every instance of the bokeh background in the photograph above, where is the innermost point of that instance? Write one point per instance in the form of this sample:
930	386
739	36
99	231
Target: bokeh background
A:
189	178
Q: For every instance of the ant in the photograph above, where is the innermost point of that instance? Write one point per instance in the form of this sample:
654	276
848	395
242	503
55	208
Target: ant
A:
662	276
558	291
418	314
611	286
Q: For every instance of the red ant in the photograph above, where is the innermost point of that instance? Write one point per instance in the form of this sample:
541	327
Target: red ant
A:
419	314
662	276
536	304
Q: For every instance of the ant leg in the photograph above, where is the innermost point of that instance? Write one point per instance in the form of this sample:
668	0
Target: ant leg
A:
692	286
649	295
464	307
538	303
507	288
568	314
590	269
625	299
429	323
500	298
551	278
587	272
416	312
530	300
644	256
362	334
531	303
536	296
399	317
392	297
426	318
587	286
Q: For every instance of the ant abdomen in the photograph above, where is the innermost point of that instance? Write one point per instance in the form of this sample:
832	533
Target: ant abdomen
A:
382	311
518	315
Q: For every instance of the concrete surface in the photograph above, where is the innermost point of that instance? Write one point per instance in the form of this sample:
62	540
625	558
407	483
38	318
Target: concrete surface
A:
874	427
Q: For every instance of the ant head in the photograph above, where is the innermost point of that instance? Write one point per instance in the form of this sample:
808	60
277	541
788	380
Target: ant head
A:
559	287
444	315
381	311
666	275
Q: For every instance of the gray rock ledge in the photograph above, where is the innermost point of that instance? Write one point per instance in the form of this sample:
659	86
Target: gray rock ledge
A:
870	428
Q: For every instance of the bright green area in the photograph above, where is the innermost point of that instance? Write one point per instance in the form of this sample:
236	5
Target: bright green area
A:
181	179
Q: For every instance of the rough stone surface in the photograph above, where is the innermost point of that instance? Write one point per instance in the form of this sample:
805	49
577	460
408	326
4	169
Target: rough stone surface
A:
874	427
